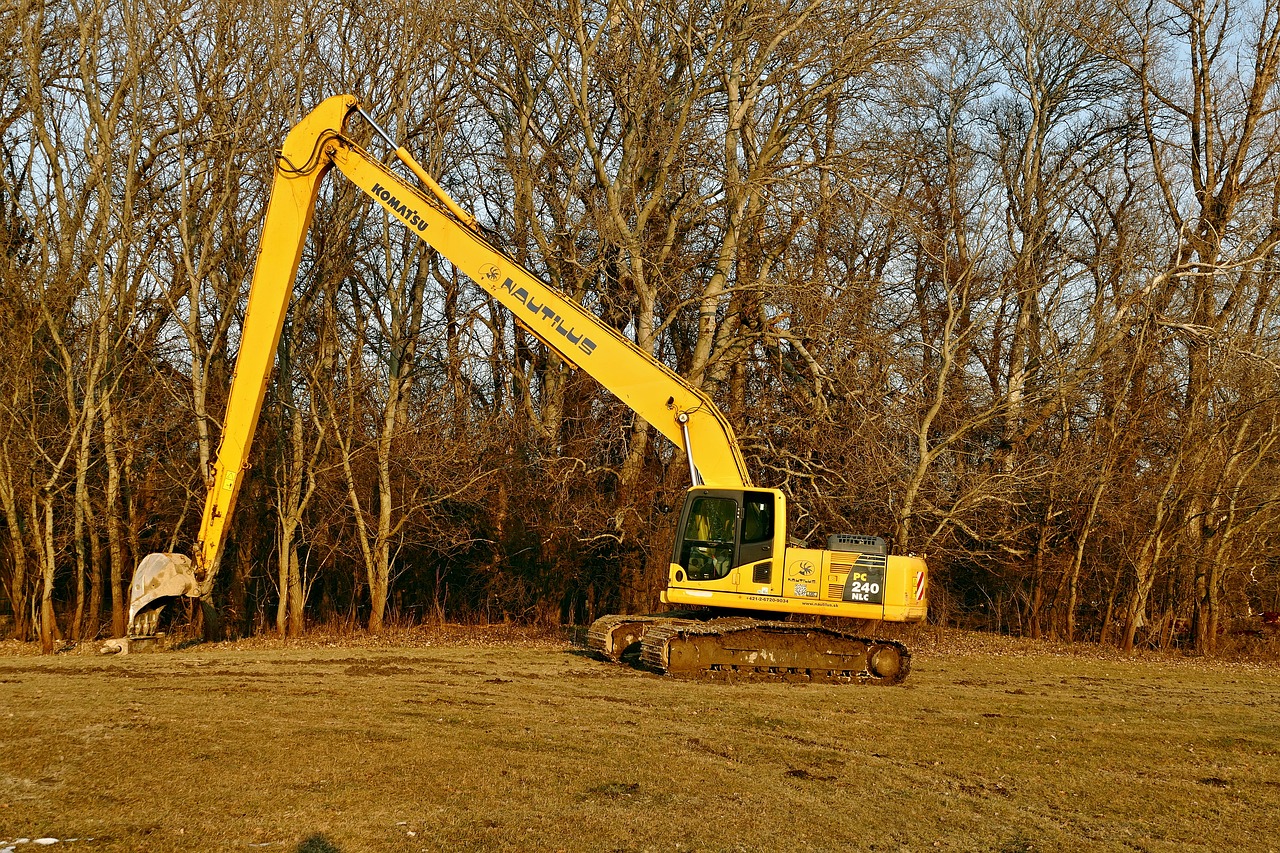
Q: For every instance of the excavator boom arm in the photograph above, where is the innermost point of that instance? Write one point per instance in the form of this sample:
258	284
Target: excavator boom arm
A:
678	410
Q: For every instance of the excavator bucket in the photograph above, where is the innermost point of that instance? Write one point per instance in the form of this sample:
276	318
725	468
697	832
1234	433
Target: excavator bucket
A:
158	578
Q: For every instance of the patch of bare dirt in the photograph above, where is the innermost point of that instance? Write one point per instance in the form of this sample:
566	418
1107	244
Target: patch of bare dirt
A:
925	640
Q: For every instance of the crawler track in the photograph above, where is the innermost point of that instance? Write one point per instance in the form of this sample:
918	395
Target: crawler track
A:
742	649
751	650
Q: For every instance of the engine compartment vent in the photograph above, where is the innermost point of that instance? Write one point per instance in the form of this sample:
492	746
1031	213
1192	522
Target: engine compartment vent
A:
857	543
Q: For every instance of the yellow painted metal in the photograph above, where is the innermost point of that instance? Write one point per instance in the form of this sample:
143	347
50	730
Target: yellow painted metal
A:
293	196
653	391
805	580
900	602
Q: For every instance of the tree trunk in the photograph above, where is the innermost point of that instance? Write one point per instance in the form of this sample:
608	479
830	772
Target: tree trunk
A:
297	595
1145	575
115	543
49	631
93	618
289	609
16	584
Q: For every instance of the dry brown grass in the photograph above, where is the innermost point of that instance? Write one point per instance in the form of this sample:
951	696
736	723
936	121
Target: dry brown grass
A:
495	739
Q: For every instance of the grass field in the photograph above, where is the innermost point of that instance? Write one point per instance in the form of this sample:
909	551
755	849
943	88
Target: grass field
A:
485	741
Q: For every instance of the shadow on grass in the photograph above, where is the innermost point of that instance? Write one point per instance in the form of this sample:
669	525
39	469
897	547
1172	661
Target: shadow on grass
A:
317	844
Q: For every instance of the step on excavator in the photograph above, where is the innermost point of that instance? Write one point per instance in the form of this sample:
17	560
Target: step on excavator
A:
732	554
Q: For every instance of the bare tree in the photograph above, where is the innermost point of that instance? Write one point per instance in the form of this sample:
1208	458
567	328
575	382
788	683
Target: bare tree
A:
1208	81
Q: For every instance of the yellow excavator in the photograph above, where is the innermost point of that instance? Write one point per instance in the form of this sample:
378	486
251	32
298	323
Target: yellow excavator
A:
732	553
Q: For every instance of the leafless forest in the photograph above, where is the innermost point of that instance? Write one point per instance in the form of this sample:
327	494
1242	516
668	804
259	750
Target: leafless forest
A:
996	280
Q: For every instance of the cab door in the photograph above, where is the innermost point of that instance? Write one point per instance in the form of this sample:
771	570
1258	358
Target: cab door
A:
760	554
707	545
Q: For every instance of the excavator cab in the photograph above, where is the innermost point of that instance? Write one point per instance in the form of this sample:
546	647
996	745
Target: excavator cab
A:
722	530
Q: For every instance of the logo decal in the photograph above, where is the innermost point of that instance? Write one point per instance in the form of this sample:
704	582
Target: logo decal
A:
399	208
546	313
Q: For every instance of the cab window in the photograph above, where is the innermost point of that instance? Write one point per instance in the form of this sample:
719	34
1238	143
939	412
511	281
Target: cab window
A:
757	518
709	537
